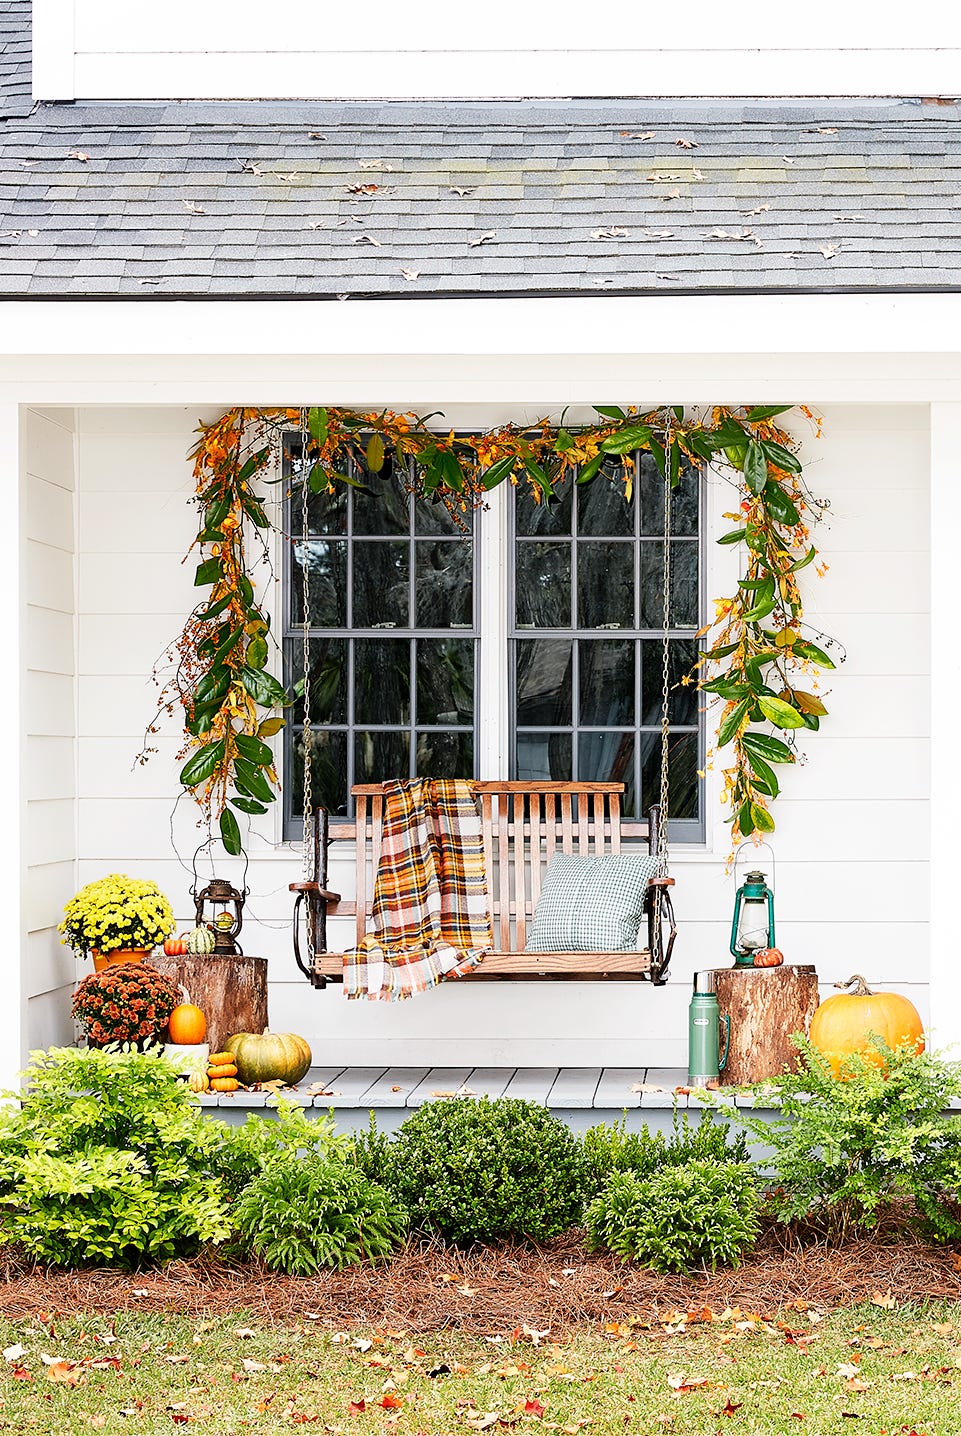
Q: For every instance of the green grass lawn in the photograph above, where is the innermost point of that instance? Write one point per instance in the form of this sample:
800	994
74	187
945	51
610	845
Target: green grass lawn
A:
865	1370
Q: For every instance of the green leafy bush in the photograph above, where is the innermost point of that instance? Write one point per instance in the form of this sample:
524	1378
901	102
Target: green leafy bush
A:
306	1212
477	1170
373	1152
843	1151
108	1160
610	1149
248	1150
703	1213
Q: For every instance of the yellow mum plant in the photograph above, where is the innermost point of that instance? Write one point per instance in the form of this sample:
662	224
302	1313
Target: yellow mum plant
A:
116	912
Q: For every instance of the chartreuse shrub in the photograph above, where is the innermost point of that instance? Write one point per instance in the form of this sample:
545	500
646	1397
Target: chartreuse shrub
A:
263	1141
107	1160
612	1149
476	1170
701	1213
844	1149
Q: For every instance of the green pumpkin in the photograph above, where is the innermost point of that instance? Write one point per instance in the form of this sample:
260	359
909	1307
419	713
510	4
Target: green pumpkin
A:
271	1057
200	941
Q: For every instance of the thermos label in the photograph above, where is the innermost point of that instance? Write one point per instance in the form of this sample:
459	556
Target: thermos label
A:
701	1022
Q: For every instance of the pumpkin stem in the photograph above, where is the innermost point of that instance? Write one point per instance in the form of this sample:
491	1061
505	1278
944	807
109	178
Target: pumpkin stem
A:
184	993
856	985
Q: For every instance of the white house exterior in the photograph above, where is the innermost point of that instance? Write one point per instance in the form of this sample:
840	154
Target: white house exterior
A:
104	376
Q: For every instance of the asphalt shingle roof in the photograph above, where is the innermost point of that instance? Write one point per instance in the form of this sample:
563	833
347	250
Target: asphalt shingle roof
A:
309	198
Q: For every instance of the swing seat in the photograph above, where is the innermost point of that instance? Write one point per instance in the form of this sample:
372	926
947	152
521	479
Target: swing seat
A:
524	825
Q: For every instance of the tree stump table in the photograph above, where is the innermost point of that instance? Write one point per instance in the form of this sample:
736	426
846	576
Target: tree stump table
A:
231	991
765	1005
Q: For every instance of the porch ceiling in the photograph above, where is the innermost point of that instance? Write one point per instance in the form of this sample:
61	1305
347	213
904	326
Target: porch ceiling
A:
327	200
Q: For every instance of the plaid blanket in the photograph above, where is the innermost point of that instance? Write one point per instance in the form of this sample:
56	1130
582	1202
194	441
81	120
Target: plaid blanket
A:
431	913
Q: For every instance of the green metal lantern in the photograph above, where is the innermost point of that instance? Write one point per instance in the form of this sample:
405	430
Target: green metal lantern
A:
753	926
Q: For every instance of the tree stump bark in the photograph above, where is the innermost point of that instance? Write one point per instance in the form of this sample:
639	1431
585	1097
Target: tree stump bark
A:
231	991
765	1005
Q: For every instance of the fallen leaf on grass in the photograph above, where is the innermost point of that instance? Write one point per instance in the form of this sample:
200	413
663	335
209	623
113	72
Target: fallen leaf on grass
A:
64	1372
14	1353
244	1332
884	1299
357	1408
534	1408
177	1360
731	1407
390	1402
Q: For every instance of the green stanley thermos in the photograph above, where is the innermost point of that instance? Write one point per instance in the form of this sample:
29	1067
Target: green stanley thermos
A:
705	1062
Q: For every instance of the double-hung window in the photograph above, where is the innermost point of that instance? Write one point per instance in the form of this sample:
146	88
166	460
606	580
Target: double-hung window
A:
396	612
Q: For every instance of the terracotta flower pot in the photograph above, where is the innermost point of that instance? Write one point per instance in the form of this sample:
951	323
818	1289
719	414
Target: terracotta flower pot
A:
119	954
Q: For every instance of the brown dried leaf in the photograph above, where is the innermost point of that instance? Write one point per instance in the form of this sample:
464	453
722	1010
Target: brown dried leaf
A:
878	1298
658	178
828	250
615	231
758	209
79	155
455	189
484	238
65	1373
366	239
411	274
686	144
374	165
647	135
194	208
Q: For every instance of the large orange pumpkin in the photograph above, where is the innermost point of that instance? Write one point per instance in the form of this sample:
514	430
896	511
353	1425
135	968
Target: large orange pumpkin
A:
844	1024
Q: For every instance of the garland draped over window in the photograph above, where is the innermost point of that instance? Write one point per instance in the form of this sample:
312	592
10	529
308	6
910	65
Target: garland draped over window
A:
760	661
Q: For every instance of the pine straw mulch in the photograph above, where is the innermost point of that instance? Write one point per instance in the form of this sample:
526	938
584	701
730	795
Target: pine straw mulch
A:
430	1287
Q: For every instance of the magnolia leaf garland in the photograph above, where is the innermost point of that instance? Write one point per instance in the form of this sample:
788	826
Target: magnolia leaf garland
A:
760	664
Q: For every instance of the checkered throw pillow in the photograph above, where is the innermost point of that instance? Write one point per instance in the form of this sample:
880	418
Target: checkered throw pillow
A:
591	904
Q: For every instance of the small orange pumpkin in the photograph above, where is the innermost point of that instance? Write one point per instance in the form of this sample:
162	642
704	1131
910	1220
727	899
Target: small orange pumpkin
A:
845	1023
768	957
224	1084
187	1025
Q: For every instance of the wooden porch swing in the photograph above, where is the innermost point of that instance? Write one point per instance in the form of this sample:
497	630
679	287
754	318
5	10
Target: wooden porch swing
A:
523	824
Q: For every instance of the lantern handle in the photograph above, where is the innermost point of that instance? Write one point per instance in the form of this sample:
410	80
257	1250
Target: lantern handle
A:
755	847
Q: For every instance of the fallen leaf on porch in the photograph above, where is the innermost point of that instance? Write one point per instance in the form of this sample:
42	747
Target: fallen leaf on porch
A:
14	1353
397	1089
686	144
482	238
317	1089
646	1087
79	155
647	135
411	274
456	1092
194	208
614	232
884	1299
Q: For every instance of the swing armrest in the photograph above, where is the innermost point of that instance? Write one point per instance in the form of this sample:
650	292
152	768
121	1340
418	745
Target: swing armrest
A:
314	888
660	882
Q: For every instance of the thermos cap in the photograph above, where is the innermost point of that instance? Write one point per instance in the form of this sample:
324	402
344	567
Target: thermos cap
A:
705	982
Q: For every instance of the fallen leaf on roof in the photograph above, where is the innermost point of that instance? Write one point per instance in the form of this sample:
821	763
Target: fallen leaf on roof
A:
827	130
362	188
828	250
374	165
349	219
482	238
250	168
658	233
787	159
630	135
194	208
849	218
674	194
26	164
317	224
747	234
672	277
696	173
615	231
366	239
686	144
287	179
658	178
79	155
411	274
314	135
455	189
758	209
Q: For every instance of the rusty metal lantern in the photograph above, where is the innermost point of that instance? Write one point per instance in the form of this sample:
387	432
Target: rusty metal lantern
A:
221	896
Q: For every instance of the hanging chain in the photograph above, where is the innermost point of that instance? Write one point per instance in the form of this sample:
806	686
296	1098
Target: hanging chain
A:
665	660
307	737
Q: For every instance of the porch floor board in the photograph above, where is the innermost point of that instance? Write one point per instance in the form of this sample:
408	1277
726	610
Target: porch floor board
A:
579	1095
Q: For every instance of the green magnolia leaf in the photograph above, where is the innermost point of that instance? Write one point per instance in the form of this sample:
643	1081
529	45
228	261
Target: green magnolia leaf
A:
250	780
725	688
764	776
768	748
202	764
760	610
732	722
251	465
814	654
216	609
702	445
812	721
246	589
270	726
675	464
809	557
498	472
626	440
780	506
780	456
563	442
590	470
212	686
736	454
255	513
249	805
766	411
230	833
257	652
755	467
609	411
317	423
780	713
217	511
450	470
657	453
207	572
375	453
351	482
230	642
252	748
318	478
745	820
722	652
263	687
539	476
733	536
